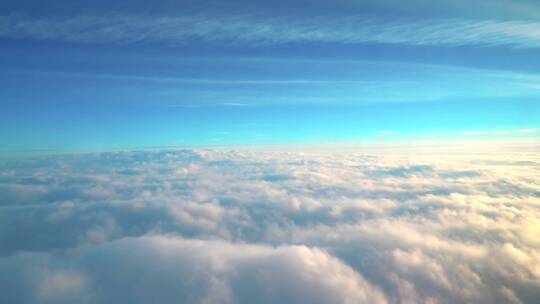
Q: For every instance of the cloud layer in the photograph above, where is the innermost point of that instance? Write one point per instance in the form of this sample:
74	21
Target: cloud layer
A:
219	226
256	30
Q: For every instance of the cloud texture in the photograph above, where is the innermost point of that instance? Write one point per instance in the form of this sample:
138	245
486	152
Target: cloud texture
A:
219	226
257	30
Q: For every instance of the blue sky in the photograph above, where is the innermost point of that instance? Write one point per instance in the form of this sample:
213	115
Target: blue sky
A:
107	75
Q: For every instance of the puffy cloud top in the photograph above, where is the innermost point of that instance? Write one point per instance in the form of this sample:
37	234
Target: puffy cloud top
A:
219	226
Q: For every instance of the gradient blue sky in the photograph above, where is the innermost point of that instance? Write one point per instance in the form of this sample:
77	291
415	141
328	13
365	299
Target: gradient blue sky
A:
79	75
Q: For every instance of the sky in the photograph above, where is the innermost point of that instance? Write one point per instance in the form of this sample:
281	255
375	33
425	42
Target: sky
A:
103	75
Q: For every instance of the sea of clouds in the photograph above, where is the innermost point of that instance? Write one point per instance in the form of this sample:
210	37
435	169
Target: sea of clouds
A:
221	226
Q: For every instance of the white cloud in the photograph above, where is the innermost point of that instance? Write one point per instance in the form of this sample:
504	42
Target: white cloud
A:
491	132
234	225
475	132
257	30
498	132
60	286
528	130
165	269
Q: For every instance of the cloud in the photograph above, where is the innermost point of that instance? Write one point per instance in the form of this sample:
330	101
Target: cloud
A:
498	132
257	30
232	226
486	132
528	130
60	285
157	268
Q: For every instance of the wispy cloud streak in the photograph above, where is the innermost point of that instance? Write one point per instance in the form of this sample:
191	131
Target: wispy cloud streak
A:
260	31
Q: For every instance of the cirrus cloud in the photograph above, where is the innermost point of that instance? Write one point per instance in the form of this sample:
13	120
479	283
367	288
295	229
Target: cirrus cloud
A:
257	30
